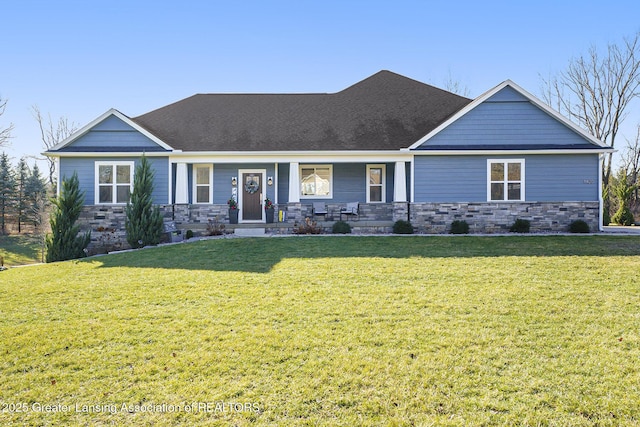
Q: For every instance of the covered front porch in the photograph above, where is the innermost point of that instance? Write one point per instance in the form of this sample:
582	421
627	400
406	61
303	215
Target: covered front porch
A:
204	187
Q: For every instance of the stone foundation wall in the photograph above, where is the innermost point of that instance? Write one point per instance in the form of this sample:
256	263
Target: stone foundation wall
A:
185	215
107	223
436	218
366	211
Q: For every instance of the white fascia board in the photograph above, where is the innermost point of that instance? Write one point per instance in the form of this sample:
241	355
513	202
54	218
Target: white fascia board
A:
99	154
112	112
289	156
534	100
508	152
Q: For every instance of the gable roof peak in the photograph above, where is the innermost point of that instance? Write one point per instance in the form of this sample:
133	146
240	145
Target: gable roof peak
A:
530	98
385	80
111	112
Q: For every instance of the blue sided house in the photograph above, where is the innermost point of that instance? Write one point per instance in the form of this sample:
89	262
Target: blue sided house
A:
388	147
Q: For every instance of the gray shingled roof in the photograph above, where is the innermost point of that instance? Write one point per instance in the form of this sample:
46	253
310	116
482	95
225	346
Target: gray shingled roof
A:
386	111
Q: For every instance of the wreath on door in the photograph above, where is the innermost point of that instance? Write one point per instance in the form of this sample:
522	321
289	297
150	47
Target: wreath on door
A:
251	186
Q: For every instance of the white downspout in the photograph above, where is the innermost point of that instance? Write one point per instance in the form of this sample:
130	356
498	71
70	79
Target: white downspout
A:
600	199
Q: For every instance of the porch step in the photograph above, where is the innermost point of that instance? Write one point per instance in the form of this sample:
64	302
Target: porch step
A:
250	232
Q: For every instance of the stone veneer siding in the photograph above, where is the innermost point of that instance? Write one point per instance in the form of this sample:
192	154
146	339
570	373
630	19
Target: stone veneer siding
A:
436	218
106	223
366	211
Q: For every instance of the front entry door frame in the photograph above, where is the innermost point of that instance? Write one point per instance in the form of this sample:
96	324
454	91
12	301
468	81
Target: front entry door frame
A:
262	191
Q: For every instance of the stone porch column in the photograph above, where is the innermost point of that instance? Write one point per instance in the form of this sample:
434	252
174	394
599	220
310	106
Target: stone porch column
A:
182	184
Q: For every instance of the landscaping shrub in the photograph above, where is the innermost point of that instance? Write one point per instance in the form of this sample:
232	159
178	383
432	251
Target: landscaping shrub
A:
341	227
402	227
189	234
520	226
624	192
606	217
459	227
144	224
623	216
65	241
309	227
214	227
579	226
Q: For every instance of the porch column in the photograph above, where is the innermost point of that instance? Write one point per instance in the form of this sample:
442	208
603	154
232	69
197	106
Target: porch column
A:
294	183
400	183
182	184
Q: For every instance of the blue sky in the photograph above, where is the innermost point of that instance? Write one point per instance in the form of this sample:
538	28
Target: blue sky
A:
79	58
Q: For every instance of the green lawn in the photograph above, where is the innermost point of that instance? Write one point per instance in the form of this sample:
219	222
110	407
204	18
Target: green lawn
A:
345	331
20	249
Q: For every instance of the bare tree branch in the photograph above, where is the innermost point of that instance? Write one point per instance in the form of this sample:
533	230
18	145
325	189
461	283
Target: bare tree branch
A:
51	135
631	161
5	133
596	90
454	86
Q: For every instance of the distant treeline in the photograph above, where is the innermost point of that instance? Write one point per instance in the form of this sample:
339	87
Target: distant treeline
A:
24	197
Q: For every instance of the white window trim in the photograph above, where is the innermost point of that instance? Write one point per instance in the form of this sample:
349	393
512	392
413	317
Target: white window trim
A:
308	166
194	190
131	165
506	181
383	182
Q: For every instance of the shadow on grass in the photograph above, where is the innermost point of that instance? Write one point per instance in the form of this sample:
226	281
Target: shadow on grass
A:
20	249
259	255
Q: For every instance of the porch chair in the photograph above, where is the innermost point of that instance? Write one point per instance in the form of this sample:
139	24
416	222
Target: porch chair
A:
320	209
351	210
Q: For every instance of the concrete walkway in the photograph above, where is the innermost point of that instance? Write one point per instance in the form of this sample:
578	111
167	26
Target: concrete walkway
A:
618	229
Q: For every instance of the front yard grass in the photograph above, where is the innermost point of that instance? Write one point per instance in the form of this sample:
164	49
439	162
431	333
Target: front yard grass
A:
532	330
20	249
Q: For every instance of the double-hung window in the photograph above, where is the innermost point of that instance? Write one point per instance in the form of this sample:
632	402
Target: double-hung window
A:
114	182
202	183
376	183
505	180
316	181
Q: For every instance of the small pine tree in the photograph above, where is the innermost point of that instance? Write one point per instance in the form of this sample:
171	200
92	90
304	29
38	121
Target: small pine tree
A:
606	216
36	196
144	221
7	191
64	242
22	206
623	191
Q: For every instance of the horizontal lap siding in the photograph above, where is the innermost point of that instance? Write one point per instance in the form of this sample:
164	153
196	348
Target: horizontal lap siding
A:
389	181
349	182
85	168
562	178
112	133
222	174
506	120
450	179
547	178
160	166
99	140
283	183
